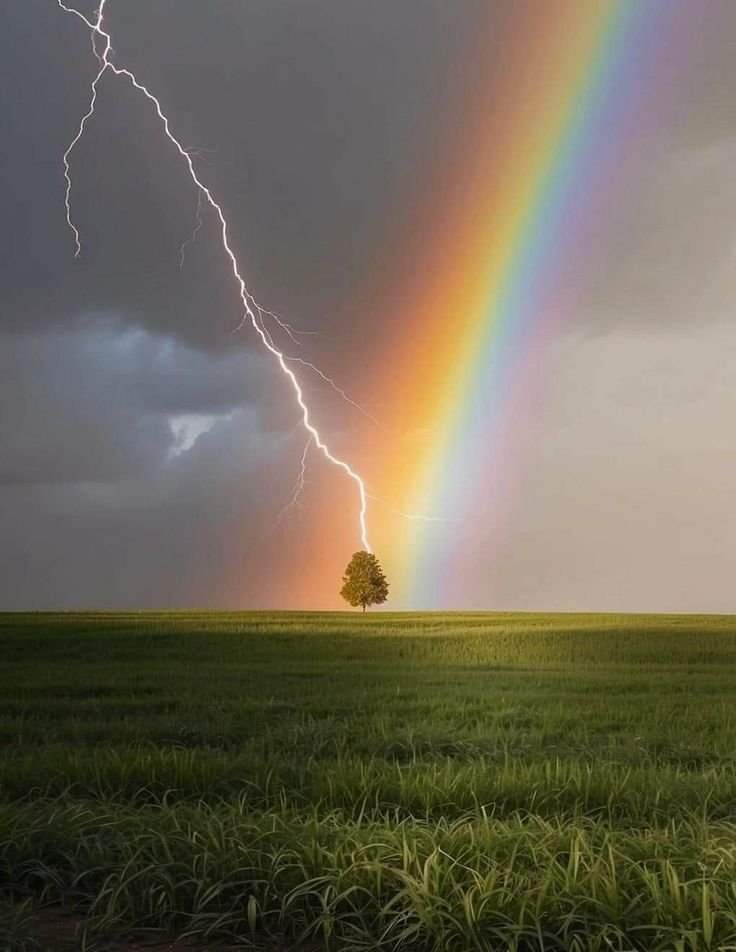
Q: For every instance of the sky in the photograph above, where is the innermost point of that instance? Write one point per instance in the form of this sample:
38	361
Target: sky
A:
510	231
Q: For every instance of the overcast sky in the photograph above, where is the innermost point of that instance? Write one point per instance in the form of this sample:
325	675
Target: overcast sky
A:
146	449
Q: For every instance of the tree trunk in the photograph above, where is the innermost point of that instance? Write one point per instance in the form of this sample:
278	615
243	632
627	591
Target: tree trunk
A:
364	607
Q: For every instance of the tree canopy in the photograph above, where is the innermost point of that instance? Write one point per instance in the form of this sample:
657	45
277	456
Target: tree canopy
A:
364	583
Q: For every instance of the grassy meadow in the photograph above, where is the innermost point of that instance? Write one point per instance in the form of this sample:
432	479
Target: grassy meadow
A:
460	782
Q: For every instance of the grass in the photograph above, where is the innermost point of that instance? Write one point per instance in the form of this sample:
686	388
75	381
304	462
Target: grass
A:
455	782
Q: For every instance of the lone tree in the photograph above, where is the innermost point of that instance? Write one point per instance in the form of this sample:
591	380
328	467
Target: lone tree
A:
364	581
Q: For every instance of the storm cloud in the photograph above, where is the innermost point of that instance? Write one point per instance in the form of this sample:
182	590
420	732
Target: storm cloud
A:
146	445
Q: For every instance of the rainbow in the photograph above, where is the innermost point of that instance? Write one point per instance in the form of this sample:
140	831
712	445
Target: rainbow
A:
540	150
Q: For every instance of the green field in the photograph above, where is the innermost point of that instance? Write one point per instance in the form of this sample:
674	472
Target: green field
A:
391	781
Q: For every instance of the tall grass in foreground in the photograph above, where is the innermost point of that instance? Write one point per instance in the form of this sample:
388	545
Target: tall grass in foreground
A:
470	883
399	782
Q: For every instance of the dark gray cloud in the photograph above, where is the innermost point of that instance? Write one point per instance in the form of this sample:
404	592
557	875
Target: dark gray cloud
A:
162	536
137	471
96	403
316	113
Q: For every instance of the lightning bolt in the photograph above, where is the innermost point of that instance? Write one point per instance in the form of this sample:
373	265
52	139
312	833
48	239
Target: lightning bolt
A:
193	237
313	367
292	332
331	383
298	486
414	517
102	48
